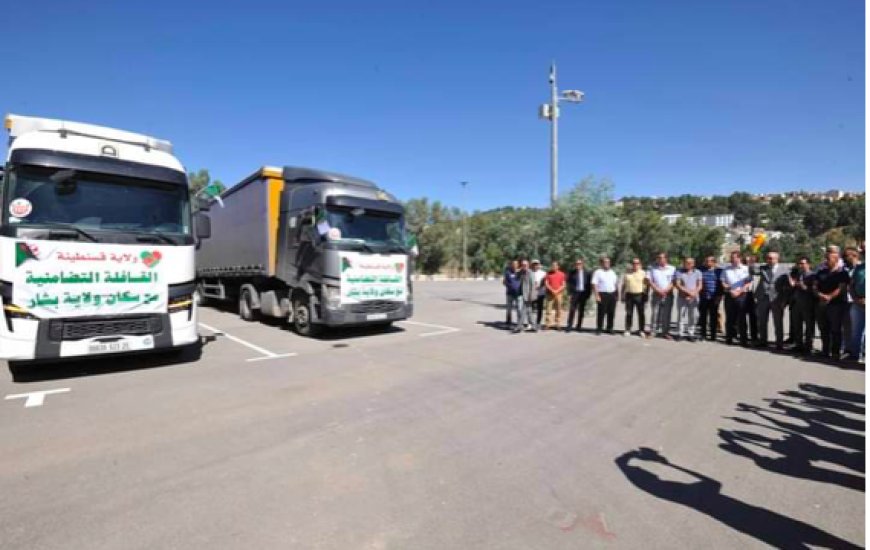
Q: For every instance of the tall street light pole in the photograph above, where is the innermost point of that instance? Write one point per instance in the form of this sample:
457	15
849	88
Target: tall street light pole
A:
550	111
464	232
554	137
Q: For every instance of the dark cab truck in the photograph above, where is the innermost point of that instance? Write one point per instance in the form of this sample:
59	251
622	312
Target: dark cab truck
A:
315	248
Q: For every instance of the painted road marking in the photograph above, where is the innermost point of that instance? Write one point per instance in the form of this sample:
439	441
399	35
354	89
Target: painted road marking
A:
277	356
444	329
35	398
263	351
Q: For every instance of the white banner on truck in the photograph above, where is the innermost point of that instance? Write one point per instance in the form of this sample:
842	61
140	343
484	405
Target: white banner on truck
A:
58	279
373	277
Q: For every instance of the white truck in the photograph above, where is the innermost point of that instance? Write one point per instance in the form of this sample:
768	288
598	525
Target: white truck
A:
96	243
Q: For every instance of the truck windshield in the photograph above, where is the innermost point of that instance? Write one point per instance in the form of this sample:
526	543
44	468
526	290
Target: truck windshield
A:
95	202
369	226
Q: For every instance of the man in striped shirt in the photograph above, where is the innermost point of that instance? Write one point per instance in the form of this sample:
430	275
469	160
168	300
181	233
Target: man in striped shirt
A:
711	296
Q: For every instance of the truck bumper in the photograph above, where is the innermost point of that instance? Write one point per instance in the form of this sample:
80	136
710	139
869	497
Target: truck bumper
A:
44	340
344	317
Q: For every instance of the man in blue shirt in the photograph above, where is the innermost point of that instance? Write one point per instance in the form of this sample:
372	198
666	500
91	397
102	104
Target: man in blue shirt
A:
511	282
711	296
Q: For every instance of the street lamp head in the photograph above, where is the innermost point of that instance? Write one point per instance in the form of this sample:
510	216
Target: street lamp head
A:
574	96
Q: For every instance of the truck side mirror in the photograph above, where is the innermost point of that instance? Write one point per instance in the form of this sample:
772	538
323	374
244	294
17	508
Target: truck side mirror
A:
202	224
201	204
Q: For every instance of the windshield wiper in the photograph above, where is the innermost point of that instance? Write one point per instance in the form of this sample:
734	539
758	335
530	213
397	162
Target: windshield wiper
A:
70	229
150	236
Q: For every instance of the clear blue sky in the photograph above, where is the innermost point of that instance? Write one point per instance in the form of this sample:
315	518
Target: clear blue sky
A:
682	96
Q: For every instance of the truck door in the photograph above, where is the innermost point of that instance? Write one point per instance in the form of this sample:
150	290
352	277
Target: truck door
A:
305	251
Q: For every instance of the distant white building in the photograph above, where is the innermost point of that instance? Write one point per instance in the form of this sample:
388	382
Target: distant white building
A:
714	220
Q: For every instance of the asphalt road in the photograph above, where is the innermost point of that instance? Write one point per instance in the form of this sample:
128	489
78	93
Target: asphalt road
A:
447	432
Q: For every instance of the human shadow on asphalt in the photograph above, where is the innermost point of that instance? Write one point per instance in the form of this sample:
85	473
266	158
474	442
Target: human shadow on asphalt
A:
110	364
705	495
785	436
833	393
824	402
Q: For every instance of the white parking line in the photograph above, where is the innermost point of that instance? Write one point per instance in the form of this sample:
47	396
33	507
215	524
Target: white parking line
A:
444	329
266	353
278	356
35	398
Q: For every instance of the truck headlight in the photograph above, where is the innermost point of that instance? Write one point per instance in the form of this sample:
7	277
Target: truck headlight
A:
332	297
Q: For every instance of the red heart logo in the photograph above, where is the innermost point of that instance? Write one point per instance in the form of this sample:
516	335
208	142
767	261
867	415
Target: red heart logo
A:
150	259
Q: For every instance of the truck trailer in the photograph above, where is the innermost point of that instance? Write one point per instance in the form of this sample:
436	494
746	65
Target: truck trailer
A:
315	248
96	243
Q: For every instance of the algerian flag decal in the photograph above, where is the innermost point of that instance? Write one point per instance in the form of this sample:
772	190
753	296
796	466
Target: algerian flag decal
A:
24	252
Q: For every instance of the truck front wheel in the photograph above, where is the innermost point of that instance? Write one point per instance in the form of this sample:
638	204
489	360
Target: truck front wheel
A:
302	317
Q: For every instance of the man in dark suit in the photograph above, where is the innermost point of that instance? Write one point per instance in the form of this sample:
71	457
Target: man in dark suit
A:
579	287
771	298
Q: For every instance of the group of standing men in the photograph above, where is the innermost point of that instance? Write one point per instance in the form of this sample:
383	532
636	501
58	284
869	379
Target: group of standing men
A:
830	296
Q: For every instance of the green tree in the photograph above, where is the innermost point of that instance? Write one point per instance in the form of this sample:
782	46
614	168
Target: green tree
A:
649	236
584	223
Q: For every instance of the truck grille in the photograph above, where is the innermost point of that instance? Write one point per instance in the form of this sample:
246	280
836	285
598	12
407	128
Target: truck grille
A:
78	330
376	306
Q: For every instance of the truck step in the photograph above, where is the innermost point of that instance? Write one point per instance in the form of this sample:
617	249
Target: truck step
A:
216	291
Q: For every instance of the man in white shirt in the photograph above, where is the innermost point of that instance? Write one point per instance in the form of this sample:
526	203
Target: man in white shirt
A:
661	282
604	283
736	281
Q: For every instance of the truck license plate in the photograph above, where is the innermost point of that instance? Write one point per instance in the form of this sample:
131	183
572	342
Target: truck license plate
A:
376	316
108	347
